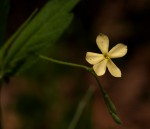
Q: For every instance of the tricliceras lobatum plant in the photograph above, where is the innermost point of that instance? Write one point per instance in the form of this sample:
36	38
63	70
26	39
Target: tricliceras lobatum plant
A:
37	33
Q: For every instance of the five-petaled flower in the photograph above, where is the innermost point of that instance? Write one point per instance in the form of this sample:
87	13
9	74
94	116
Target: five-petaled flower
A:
101	61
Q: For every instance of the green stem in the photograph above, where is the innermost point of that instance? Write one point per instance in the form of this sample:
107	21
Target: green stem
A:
76	65
111	107
63	62
99	84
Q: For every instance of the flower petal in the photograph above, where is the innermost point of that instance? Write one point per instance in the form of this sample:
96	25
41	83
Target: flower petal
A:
113	69
93	58
100	68
103	43
118	51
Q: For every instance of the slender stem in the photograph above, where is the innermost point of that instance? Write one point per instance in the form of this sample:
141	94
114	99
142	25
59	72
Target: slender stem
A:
64	63
99	84
110	106
75	65
81	107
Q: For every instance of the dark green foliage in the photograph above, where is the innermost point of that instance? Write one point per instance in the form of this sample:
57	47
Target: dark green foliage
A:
37	34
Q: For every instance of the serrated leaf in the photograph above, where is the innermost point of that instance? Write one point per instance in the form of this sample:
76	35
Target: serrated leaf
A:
43	31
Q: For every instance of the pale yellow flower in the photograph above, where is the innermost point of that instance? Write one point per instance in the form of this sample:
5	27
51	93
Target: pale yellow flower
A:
101	61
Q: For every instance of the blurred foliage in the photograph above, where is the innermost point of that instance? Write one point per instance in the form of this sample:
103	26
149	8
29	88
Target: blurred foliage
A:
35	36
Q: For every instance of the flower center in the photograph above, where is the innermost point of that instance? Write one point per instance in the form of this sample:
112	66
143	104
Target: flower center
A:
106	56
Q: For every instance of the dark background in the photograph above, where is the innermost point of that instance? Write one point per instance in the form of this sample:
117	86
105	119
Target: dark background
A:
46	96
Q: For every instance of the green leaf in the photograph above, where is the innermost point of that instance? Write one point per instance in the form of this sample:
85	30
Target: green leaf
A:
4	9
4	49
9	42
42	32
